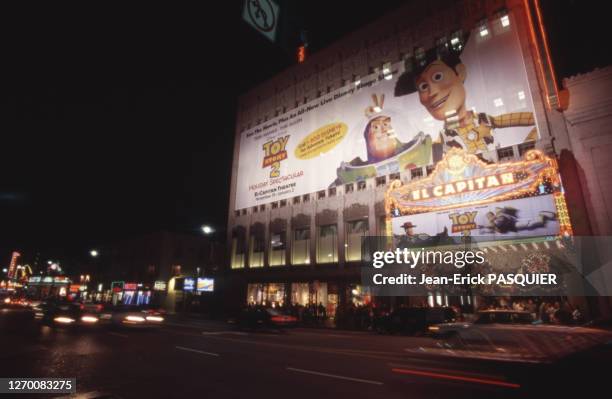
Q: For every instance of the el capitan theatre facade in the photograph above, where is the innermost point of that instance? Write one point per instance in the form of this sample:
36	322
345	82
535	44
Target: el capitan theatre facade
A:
449	124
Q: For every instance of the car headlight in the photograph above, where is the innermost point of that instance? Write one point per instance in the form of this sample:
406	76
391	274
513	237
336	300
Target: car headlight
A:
433	328
135	319
89	319
154	318
64	320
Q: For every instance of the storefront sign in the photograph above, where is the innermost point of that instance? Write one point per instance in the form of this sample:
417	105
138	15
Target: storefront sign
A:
160	286
130	287
188	284
206	284
13	265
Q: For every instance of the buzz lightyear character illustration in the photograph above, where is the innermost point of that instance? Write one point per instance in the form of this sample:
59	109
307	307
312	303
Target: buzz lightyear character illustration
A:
506	220
439	78
385	152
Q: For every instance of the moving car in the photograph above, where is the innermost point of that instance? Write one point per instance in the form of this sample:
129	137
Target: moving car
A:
133	316
413	320
66	314
517	333
485	323
259	317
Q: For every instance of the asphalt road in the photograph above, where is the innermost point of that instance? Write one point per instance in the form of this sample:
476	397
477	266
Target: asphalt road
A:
210	360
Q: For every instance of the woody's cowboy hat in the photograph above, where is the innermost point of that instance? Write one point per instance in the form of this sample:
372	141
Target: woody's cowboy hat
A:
447	52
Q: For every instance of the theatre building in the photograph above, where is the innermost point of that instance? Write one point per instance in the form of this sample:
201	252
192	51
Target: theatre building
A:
442	118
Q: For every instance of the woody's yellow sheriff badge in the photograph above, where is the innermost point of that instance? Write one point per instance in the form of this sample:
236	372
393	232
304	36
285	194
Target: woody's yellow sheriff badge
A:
475	136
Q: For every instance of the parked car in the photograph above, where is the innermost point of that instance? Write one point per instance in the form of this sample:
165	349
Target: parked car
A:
259	317
413	320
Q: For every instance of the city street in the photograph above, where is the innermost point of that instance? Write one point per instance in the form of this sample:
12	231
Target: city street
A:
207	359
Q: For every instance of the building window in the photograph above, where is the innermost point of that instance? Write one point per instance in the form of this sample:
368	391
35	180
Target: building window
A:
381	227
306	198
237	213
238	250
331	192
296	200
262	208
361	185
394	176
416	173
355	231
283	203
255	209
348	188
300	247
456	40
441	44
243	212
429	169
419	56
256	250
272	294
327	244
274	205
524	147
506	153
321	194
277	248
381	181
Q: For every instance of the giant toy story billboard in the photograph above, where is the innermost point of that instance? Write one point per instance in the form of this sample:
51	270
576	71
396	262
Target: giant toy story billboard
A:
470	93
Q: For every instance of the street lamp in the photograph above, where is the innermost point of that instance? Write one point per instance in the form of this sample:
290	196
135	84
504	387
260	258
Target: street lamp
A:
93	253
207	229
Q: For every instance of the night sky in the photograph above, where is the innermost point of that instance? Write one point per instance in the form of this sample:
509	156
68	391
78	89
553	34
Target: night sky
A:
120	121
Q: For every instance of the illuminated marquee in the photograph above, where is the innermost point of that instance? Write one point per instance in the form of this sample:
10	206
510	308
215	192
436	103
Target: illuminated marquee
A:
480	183
461	179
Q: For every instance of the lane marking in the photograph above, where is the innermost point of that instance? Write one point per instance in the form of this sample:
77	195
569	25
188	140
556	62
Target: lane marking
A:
182	348
224	332
456	378
340	377
298	333
118	334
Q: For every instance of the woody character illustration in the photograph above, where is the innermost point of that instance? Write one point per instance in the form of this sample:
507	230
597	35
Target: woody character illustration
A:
412	239
506	220
438	76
